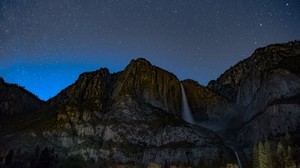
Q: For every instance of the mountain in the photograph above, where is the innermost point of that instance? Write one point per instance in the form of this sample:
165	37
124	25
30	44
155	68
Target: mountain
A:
133	117
16	104
241	82
267	87
15	100
127	118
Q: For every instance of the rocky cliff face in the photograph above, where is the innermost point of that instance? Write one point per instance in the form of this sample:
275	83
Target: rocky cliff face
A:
91	89
275	108
267	86
151	84
140	80
241	82
134	133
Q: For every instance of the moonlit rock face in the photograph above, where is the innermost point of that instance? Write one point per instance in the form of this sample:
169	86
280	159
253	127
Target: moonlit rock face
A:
186	112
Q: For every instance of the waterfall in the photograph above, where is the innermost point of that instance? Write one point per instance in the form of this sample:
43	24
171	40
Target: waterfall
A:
186	112
238	159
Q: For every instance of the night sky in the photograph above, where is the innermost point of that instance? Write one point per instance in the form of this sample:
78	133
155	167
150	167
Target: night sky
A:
46	44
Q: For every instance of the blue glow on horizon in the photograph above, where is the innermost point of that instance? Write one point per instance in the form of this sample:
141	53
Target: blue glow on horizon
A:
48	79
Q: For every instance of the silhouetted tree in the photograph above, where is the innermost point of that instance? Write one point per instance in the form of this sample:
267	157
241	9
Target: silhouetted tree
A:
284	156
9	157
44	160
37	151
262	156
268	153
255	158
35	157
74	161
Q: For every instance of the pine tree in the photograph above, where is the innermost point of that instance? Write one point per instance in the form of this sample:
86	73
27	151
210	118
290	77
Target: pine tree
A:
37	151
290	162
255	158
285	153
9	157
262	156
269	160
288	139
44	159
281	155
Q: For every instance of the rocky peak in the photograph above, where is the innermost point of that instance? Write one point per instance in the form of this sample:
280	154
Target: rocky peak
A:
91	89
140	80
151	85
264	91
140	62
240	82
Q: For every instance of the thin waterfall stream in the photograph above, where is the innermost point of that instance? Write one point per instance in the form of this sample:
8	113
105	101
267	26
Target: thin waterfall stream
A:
186	111
188	117
238	159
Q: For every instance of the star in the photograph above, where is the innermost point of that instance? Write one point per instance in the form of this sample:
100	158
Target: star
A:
82	36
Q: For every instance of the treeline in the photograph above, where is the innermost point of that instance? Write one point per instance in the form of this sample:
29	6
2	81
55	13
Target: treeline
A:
19	87
278	155
41	158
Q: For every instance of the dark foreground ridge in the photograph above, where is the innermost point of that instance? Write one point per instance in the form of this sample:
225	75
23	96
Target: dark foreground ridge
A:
133	117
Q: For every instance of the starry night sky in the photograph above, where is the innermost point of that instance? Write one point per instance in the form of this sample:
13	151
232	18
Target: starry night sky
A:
46	44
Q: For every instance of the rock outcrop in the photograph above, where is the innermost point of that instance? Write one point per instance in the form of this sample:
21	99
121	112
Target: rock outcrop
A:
151	84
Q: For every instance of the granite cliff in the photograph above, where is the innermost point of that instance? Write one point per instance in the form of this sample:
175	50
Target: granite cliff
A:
267	88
